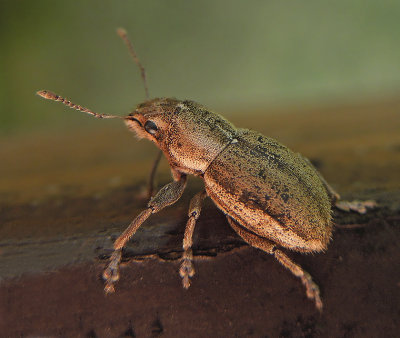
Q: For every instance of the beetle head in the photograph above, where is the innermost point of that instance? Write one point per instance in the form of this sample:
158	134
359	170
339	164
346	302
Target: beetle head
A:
189	135
151	119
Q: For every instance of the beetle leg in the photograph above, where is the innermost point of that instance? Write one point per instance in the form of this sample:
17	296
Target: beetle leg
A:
269	247
297	270
167	195
186	270
150	186
357	206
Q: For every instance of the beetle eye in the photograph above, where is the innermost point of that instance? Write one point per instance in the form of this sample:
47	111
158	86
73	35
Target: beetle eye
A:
150	127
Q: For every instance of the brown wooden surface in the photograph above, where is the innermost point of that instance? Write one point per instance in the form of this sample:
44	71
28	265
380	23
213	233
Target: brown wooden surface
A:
65	196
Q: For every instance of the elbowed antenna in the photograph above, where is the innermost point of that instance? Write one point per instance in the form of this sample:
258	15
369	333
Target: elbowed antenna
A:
54	97
124	36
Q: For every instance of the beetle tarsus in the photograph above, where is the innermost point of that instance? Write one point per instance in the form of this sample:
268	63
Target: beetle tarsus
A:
111	273
312	290
109	288
186	270
358	206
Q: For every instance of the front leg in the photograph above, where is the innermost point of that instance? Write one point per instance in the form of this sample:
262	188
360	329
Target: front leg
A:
167	195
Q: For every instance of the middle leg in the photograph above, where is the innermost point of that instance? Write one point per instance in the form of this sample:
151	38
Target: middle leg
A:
187	270
358	206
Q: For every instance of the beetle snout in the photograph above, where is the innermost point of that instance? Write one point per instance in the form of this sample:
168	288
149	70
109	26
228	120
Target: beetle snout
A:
130	119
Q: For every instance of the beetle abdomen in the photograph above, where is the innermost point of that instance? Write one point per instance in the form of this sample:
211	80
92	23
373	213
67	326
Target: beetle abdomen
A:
271	191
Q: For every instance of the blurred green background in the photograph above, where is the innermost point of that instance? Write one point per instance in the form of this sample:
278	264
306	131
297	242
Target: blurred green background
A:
232	56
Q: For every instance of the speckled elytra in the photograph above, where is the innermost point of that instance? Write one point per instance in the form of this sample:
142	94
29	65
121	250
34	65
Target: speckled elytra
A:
272	197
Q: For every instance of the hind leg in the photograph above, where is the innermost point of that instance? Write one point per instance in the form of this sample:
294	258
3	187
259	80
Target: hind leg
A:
358	206
269	247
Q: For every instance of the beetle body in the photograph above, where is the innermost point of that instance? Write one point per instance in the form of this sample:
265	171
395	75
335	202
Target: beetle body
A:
264	186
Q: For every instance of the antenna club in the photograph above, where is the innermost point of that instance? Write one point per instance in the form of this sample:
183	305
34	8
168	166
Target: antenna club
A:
121	32
47	95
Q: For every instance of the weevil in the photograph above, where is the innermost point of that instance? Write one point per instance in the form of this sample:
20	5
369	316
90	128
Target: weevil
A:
272	197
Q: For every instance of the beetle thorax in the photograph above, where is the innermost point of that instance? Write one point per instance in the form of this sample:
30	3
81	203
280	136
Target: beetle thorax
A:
196	136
